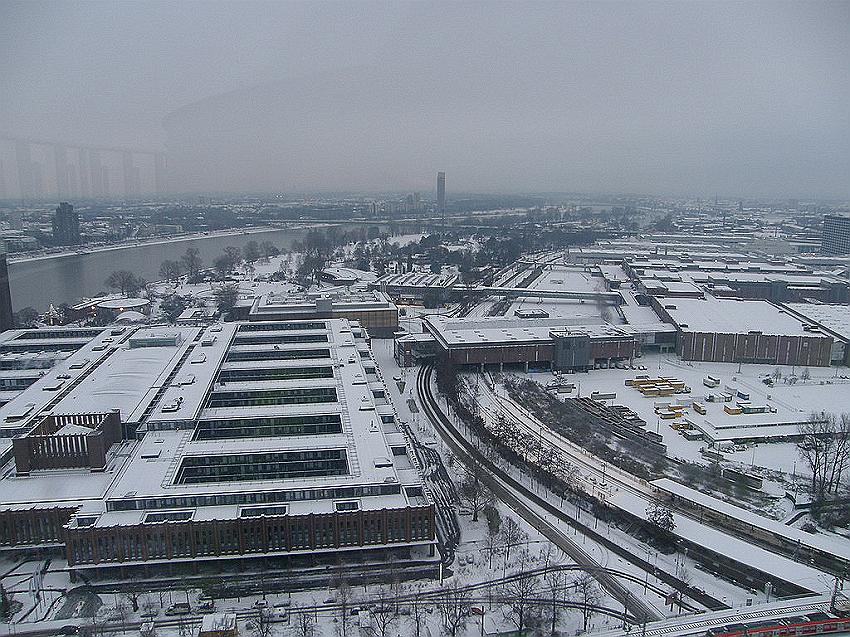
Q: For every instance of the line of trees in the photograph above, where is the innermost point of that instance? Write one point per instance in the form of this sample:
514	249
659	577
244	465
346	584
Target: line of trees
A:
824	447
191	263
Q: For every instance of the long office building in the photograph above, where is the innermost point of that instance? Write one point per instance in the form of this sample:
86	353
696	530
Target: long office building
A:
180	449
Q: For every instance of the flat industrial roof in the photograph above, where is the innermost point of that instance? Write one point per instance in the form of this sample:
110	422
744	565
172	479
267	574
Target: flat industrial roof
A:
126	377
835	318
462	332
339	300
732	316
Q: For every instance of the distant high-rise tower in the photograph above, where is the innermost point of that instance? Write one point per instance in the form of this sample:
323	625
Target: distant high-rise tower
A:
5	296
441	192
66	225
836	235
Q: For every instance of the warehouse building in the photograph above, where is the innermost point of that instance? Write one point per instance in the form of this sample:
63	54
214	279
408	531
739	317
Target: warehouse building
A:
736	331
832	320
539	343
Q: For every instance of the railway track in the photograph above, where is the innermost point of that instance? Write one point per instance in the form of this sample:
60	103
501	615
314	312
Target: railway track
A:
698	626
628	483
445	496
699	596
505	487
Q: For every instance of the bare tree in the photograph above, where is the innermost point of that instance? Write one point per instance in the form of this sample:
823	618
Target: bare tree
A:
418	611
94	627
841	452
125	281
184	628
148	604
251	251
555	582
492	544
268	249
192	262
133	598
226	297
384	613
234	254
262	623
170	270
512	535
343	602
453	604
519	597
683	573
223	265
121	612
472	490
587	594
305	623
824	446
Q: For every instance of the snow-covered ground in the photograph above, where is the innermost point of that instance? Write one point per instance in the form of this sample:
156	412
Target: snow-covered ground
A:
793	403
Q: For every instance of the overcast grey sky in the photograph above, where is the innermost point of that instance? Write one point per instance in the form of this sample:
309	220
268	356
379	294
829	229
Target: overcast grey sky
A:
738	99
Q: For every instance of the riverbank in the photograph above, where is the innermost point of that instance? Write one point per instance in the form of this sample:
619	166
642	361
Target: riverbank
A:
137	243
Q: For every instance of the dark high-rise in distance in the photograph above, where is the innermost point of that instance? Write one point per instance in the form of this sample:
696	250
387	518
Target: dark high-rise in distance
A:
66	225
441	192
836	235
6	321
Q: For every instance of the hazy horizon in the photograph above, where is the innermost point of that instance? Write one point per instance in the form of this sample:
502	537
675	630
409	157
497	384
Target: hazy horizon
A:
699	99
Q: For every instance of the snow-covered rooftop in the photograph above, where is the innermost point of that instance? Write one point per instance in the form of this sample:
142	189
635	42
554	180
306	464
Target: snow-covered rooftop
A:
732	316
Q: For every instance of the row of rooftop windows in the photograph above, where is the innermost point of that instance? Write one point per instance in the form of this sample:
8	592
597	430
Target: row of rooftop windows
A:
259	398
263	466
268	326
49	334
278	339
274	373
268	427
276	355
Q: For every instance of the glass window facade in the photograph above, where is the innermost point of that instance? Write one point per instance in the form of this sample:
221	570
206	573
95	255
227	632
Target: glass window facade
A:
269	326
277	373
268	427
278	339
259	398
262	466
277	355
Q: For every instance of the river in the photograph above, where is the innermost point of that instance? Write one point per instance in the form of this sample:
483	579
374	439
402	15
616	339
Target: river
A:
68	278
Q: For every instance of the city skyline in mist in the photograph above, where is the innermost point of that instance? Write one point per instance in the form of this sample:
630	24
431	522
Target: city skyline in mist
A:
740	100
